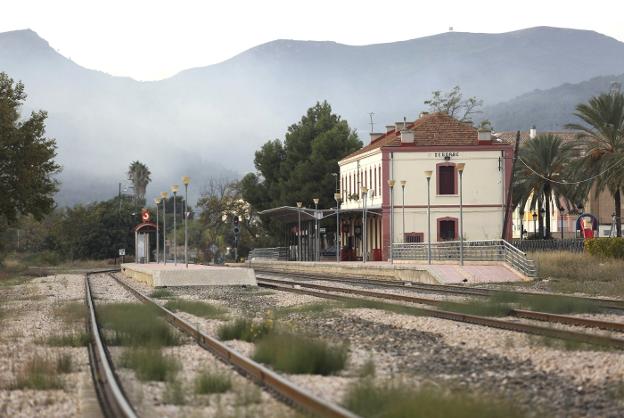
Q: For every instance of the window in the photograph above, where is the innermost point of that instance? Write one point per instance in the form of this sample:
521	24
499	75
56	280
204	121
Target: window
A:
414	237
447	229
446	179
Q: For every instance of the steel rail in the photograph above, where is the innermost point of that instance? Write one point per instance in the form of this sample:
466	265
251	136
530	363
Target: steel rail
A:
111	396
250	368
442	288
453	316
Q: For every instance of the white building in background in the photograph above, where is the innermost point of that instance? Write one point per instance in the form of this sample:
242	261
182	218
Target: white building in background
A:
404	153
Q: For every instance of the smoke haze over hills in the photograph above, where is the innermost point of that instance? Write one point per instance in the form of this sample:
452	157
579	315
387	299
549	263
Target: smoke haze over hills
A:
208	122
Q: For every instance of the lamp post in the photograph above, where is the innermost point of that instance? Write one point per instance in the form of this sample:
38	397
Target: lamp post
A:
317	242
403	182
299	252
164	196
174	191
521	213
364	224
543	222
338	241
157	201
391	183
186	180
428	174
561	211
460	169
534	216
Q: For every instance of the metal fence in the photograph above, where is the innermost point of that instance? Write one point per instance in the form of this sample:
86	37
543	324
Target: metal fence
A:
571	245
490	250
276	253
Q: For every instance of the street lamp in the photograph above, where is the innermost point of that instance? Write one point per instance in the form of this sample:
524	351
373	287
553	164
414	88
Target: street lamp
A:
299	252
561	211
338	241
364	224
317	246
521	213
164	196
428	174
157	202
534	216
403	182
174	190
391	183
186	180
460	169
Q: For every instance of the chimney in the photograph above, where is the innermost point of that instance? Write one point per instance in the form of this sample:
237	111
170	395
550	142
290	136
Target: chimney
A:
422	114
375	135
400	125
389	128
407	137
485	135
532	132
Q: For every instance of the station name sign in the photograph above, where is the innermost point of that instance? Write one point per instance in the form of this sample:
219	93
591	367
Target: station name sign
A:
446	154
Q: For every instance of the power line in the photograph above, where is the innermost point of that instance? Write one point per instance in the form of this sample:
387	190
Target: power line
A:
571	182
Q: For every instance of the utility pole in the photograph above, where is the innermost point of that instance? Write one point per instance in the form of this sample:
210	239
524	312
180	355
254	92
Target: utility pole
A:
509	187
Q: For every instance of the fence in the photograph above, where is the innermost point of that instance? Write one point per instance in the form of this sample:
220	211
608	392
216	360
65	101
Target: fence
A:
490	250
276	253
571	245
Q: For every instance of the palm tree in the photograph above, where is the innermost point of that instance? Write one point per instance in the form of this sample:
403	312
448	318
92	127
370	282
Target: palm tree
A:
601	137
542	175
139	175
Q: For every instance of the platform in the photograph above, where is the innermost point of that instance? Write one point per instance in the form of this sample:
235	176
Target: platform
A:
162	275
422	273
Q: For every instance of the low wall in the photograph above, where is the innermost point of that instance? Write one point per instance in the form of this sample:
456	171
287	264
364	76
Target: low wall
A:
157	276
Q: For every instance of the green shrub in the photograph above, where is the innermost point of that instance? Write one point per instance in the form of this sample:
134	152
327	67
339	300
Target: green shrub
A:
162	294
208	382
72	312
174	393
74	339
605	247
40	373
150	363
558	304
196	308
300	355
245	330
394	400
135	324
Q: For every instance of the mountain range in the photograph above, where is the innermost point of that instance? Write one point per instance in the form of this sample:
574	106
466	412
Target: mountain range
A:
208	122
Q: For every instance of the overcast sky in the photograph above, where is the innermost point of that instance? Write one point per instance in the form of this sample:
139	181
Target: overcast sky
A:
150	40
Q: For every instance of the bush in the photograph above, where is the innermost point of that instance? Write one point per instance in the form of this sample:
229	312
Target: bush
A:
162	294
245	330
74	339
605	247
41	373
150	364
208	382
196	308
300	355
394	400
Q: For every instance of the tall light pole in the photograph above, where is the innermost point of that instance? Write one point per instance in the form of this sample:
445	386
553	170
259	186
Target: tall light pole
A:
428	174
364	225
403	182
157	201
299	204
561	210
534	216
391	184
338	241
460	169
317	246
174	191
521	213
164	196
186	180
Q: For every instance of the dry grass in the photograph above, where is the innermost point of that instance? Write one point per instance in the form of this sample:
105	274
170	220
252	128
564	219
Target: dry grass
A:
43	373
72	313
573	272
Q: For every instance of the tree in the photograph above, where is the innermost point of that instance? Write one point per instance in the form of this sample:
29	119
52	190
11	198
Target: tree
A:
453	104
601	137
300	168
542	175
139	175
27	161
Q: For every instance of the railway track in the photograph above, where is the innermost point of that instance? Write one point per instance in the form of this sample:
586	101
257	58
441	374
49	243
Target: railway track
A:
439	288
285	390
583	337
113	401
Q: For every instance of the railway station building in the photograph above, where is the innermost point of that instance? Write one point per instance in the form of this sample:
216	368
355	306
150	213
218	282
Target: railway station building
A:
389	177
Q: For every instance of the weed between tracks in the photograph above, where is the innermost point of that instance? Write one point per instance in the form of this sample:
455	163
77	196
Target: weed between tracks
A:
162	294
135	325
212	381
149	363
245	330
396	400
197	308
72	312
72	339
43	373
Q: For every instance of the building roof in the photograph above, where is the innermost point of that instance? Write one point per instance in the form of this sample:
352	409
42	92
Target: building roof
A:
435	129
510	136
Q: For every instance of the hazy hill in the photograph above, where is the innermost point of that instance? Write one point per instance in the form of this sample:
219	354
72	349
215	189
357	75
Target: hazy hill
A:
210	120
548	109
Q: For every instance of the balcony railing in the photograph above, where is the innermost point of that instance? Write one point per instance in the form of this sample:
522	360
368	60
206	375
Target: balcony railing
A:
489	250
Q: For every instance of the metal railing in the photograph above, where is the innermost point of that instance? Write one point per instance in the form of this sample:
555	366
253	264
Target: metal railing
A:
275	253
489	250
571	245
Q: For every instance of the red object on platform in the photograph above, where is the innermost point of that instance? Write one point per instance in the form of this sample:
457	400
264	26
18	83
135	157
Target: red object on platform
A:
588	233
376	253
